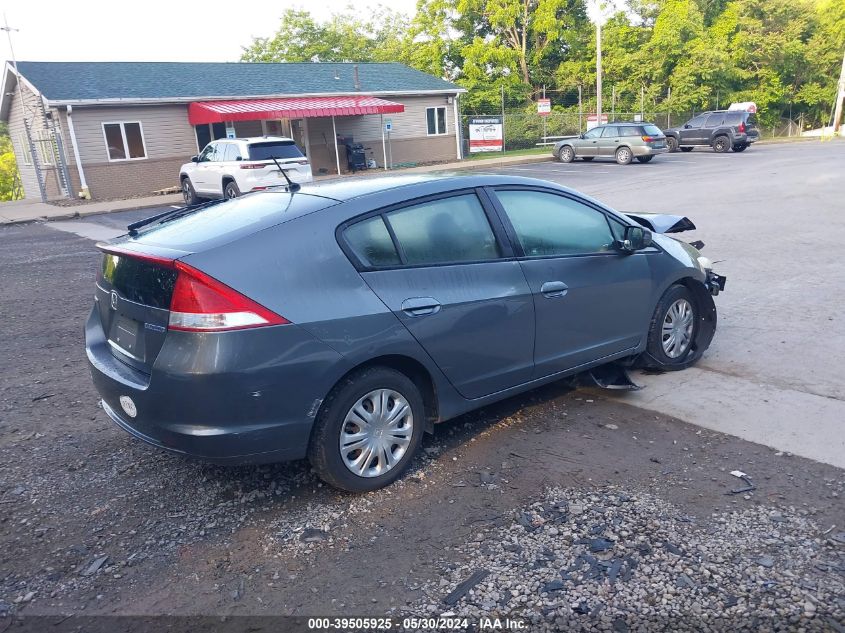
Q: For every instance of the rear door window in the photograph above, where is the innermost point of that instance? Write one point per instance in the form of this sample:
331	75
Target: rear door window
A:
631	130
548	224
274	149
714	120
372	244
446	230
733	118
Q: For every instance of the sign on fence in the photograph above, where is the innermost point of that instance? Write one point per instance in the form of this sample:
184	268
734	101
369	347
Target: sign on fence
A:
592	120
485	134
544	107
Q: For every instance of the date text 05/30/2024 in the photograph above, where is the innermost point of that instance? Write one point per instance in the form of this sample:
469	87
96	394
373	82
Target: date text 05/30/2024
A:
416	624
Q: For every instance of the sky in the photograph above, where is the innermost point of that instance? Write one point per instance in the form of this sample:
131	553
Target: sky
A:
152	30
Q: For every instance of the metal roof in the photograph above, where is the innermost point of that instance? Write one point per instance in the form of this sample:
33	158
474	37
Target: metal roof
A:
290	108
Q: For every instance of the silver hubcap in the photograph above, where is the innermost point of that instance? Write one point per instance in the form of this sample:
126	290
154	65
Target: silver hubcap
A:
567	154
186	192
376	433
677	328
230	192
623	155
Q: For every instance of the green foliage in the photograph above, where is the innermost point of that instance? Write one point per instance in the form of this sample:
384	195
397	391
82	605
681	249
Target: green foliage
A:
681	55
9	180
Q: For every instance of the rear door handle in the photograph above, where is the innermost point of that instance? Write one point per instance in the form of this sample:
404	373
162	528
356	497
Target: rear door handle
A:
420	306
554	289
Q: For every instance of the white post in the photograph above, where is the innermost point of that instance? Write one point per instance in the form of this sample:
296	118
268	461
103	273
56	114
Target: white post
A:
458	127
86	194
383	144
336	154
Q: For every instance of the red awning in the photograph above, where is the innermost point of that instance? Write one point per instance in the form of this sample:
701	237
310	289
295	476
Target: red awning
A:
292	108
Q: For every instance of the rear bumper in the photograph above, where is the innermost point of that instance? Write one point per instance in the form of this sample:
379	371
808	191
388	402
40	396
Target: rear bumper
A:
644	150
247	396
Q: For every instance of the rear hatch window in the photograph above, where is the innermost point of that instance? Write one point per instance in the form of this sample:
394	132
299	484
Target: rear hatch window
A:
274	149
652	130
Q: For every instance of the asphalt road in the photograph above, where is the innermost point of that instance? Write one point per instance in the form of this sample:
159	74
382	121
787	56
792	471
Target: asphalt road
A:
773	220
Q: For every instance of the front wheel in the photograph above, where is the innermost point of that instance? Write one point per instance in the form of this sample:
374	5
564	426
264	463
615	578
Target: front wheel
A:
671	335
722	144
567	154
644	159
188	192
624	156
368	430
672	143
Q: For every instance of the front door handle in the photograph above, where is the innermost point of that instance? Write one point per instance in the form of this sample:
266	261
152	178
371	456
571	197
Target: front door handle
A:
554	289
420	306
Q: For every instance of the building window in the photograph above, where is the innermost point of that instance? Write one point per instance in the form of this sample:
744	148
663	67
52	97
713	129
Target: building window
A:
25	152
124	140
436	118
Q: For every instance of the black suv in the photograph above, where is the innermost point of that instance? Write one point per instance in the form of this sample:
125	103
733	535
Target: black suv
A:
722	130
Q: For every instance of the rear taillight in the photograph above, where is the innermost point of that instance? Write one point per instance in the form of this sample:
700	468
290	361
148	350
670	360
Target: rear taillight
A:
202	304
253	165
741	127
650	139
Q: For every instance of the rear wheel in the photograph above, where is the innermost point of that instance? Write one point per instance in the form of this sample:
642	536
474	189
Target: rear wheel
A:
623	156
687	149
672	332
672	143
740	147
587	159
231	190
368	430
567	154
721	144
188	193
644	159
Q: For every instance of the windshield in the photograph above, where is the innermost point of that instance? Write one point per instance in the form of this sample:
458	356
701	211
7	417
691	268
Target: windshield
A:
274	149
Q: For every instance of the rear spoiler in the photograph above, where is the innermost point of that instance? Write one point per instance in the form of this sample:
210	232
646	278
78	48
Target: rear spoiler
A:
663	223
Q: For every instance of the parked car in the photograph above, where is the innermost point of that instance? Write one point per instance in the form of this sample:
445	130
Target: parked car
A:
341	321
722	130
621	141
229	167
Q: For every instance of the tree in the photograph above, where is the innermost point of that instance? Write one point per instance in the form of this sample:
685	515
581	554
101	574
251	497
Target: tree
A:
10	188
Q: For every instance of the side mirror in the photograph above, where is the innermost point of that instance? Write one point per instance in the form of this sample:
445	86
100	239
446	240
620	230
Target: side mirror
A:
687	126
195	159
239	157
581	136
636	239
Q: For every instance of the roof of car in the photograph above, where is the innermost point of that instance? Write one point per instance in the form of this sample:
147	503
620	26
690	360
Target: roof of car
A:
256	139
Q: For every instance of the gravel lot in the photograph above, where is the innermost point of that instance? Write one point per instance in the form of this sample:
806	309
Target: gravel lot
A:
587	513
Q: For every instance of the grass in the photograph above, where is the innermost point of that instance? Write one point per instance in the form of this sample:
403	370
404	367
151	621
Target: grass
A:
538	151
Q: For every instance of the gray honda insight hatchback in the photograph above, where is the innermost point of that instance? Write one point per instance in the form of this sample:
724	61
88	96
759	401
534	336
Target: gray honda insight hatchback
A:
341	321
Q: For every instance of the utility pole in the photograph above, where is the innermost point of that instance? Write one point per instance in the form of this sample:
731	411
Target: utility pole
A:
840	97
27	135
544	118
503	118
642	103
613	105
580	110
598	68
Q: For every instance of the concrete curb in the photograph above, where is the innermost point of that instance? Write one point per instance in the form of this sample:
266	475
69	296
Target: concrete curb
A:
42	212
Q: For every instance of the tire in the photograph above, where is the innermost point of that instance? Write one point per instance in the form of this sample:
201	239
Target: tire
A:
740	147
664	352
672	143
687	149
337	417
644	159
721	144
624	156
188	192
230	190
567	154
587	159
